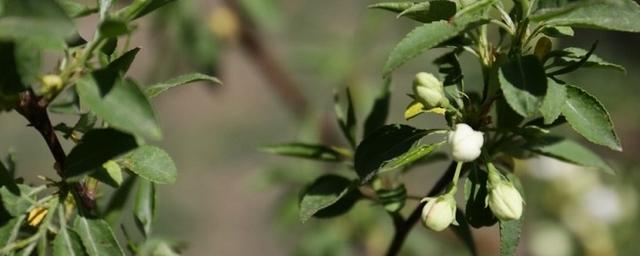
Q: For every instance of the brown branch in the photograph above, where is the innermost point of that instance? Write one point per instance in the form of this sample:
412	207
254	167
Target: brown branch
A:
280	81
34	109
403	228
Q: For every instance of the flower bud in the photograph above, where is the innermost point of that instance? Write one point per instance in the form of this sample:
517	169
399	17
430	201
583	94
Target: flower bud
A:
429	91
439	213
505	201
466	143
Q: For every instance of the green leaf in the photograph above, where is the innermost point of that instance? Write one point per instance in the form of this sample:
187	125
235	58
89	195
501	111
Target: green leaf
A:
118	200
572	56
524	84
383	145
463	231
620	15
427	36
67	242
568	151
97	237
423	12
156	89
18	203
36	20
7	230
140	8
109	173
340	207
145	206
159	247
414	154
380	109
475	190
322	193
97	147
510	237
553	102
558	32
74	9
111	28
11	73
589	118
151	163
303	150
347	124
124	106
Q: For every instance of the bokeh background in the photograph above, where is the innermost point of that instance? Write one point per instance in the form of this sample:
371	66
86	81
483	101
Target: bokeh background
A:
280	61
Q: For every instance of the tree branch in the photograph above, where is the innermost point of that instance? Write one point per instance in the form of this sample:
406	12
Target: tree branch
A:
403	229
34	109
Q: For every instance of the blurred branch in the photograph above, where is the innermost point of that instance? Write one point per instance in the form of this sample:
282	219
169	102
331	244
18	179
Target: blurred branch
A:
279	80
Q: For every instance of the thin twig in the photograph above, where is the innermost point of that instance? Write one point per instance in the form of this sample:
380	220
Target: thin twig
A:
403	229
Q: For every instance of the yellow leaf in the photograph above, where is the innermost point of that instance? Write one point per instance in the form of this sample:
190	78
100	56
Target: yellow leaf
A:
414	109
439	111
36	215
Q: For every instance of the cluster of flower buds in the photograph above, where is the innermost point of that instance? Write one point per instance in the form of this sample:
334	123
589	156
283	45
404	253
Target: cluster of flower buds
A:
429	91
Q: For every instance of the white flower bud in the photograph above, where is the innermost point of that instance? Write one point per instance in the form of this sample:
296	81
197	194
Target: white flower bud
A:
466	143
505	201
439	213
429	91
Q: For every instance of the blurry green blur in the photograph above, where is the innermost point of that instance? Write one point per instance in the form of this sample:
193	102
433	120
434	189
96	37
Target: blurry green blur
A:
231	199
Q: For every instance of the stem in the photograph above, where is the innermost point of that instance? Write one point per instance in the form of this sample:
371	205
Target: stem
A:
456	175
34	109
403	228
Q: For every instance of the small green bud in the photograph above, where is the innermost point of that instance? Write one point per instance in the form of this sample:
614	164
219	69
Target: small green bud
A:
428	90
439	212
504	199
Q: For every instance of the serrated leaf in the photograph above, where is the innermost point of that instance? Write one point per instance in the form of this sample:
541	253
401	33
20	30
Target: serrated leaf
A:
408	158
568	151
145	206
572	55
524	84
151	163
7	230
385	144
322	193
425	37
510	237
124	106
425	12
553	102
380	109
619	15
97	147
304	150
589	118
156	89
97	237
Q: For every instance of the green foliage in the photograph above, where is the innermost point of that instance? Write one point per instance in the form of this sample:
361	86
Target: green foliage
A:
112	117
523	97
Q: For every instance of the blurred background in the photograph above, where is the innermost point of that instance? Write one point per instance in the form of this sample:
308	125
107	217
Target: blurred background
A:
280	61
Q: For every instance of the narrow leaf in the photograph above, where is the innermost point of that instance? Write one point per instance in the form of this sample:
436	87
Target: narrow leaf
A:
145	206
408	158
620	15
385	144
156	89
304	150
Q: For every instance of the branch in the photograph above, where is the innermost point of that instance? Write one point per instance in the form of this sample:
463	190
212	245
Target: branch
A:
34	109
403	229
